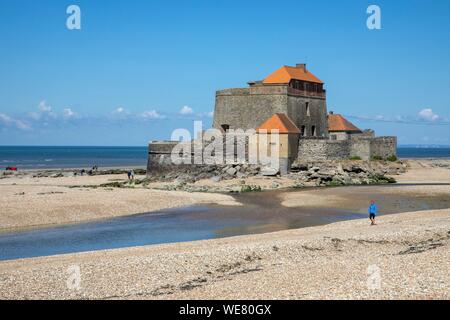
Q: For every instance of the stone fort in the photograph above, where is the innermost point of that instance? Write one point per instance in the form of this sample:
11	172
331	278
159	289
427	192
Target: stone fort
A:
291	101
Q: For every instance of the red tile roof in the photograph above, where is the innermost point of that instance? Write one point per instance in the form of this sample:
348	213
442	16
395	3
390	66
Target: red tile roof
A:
286	73
336	122
281	122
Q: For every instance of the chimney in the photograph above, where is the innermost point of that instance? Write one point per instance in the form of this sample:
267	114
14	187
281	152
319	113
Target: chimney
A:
301	66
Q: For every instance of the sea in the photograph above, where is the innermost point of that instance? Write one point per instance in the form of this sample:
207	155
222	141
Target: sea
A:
46	157
34	157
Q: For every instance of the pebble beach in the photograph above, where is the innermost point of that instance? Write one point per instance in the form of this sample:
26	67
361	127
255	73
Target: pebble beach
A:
405	256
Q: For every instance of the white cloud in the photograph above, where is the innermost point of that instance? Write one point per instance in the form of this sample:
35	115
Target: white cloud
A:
68	113
186	110
8	121
206	114
428	115
152	114
22	125
120	110
44	111
5	119
121	113
43	107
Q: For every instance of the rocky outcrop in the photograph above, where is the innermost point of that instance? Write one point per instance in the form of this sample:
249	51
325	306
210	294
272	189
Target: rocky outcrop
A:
337	173
303	174
191	174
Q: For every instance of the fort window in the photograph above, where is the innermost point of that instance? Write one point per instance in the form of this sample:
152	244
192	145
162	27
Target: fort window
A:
308	113
225	127
313	131
303	131
296	84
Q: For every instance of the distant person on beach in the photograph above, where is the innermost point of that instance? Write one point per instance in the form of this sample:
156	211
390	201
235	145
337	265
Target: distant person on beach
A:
372	212
132	174
129	174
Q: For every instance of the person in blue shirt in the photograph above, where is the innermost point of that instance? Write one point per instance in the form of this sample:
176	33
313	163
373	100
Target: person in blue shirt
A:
372	212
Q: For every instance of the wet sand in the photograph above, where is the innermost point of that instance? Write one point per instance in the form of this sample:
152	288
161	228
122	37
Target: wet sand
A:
260	212
399	198
426	171
26	201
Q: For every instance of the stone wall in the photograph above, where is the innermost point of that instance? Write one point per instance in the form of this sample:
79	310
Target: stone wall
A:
312	149
364	148
248	108
360	148
383	147
338	150
195	153
323	149
297	111
159	153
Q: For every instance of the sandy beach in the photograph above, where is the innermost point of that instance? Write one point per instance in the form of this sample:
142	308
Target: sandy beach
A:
406	256
341	197
26	201
29	201
426	171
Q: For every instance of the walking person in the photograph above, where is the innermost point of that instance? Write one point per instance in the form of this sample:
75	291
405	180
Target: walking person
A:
129	174
372	212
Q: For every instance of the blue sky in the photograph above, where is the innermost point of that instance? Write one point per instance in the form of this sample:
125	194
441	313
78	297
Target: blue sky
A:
139	69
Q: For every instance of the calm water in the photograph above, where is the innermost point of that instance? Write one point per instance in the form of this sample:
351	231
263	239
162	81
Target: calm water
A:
71	157
261	213
78	157
422	152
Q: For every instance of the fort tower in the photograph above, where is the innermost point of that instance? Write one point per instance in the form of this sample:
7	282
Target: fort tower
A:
294	91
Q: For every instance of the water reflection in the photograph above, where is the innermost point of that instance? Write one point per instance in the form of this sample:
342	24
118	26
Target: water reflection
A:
261	213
